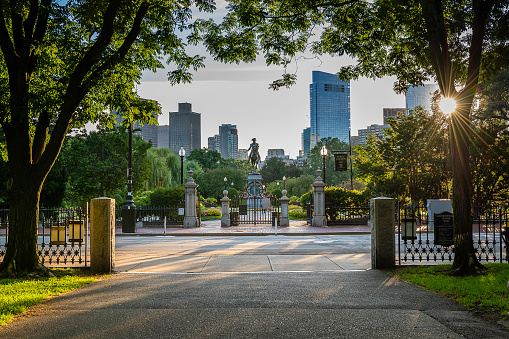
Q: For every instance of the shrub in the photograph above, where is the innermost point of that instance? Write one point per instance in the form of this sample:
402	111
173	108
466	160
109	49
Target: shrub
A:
211	212
297	213
166	196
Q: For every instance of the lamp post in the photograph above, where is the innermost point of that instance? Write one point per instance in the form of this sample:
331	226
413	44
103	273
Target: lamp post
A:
284	182
323	153
182	154
225	183
129	212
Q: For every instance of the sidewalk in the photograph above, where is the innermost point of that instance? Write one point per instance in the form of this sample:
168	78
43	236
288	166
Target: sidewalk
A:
213	228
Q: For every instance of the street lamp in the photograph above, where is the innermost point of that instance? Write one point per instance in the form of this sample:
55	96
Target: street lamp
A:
129	212
225	183
323	153
284	182
182	154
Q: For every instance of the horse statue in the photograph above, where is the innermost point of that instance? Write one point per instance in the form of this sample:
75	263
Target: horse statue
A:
254	156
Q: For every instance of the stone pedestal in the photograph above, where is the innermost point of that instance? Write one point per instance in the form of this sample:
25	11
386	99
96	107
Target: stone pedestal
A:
190	218
102	235
225	210
319	218
383	245
284	210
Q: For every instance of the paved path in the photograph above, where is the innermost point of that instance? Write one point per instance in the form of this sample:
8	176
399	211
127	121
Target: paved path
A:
213	227
217	287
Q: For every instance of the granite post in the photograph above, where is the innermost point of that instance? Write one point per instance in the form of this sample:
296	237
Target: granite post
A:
284	210
190	218
225	210
383	245
319	218
102	235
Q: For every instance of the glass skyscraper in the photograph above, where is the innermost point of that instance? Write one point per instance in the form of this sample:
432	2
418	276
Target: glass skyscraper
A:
420	96
330	107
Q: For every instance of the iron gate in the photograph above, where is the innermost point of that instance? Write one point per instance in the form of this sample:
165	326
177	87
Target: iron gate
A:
255	206
419	241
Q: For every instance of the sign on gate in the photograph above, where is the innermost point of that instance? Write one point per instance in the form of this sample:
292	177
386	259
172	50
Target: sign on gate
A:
265	203
340	160
242	209
444	230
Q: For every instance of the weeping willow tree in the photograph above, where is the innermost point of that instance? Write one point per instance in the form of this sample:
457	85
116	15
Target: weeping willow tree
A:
165	168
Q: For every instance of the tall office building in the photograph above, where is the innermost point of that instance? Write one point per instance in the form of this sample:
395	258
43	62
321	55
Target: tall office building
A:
392	113
228	141
163	136
306	140
363	134
420	96
330	107
185	129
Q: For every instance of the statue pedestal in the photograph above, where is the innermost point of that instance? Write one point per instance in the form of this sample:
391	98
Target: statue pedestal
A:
254	182
254	176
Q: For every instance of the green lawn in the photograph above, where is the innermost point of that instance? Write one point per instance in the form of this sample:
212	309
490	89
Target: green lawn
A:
484	294
16	295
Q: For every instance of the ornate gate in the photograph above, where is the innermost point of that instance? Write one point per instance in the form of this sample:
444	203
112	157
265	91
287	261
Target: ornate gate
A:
255	206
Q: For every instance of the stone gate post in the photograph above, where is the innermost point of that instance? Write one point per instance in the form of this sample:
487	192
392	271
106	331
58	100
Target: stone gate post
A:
383	244
225	210
284	210
319	218
190	218
102	235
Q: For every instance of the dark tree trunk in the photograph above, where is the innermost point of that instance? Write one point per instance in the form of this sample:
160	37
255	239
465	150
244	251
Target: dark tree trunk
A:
465	260
21	255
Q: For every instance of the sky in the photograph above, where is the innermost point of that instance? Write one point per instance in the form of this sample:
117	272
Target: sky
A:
239	95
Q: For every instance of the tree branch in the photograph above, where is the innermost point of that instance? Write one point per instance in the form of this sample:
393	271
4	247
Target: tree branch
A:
41	136
6	43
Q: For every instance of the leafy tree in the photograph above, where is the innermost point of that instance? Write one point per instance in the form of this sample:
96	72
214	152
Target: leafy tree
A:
167	196
65	63
211	183
164	168
450	42
242	165
410	159
208	159
315	161
96	163
490	146
274	169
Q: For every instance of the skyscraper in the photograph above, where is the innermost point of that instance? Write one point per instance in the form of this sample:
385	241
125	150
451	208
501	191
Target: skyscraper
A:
420	96
228	141
163	136
306	140
330	107
185	129
391	113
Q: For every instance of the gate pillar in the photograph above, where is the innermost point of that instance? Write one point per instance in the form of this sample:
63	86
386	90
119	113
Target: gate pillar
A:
190	218
319	218
102	235
284	210
225	209
383	244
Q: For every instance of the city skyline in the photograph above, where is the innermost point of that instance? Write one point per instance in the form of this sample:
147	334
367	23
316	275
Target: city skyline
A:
239	95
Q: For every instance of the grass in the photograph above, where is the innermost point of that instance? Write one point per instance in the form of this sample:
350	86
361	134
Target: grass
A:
16	295
484	294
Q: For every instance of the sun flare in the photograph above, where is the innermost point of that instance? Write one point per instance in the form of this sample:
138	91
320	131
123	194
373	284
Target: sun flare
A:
447	105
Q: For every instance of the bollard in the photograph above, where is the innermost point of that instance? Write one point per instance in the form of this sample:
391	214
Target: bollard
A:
102	235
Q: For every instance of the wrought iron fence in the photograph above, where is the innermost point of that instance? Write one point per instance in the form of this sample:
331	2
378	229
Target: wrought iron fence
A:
155	216
423	238
62	238
346	215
